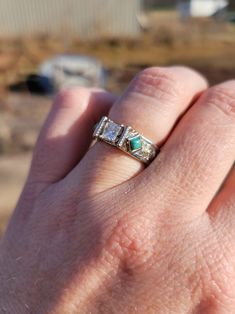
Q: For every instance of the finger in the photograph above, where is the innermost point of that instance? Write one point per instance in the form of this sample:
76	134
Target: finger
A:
66	134
199	154
152	104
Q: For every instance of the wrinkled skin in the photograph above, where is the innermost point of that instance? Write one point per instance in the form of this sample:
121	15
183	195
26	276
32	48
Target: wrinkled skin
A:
95	231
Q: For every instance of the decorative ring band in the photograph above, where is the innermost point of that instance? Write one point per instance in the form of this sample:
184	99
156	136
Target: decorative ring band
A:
127	139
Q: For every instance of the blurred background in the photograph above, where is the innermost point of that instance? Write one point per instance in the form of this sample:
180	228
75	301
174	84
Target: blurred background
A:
46	46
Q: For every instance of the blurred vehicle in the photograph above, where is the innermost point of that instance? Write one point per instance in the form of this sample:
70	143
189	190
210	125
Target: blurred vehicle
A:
202	8
64	71
73	70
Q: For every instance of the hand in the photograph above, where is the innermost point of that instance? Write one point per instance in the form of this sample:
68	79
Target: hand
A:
96	232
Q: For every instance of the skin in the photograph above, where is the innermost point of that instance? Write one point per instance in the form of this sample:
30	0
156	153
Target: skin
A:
95	231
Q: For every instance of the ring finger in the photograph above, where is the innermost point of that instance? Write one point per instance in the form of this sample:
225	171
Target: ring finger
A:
152	104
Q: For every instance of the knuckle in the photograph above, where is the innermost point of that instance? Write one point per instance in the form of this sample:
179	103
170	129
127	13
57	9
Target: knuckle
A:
71	97
222	97
158	82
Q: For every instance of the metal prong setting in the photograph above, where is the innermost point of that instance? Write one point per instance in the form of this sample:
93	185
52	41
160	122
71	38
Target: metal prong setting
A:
123	137
99	127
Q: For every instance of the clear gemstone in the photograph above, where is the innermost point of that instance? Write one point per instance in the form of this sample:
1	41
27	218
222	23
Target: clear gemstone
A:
111	131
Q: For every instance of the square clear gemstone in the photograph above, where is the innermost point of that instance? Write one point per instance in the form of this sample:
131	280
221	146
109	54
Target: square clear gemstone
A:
111	132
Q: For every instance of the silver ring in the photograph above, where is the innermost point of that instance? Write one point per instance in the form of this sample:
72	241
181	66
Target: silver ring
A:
127	139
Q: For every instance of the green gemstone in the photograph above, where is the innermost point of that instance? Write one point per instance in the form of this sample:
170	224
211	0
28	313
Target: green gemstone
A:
135	143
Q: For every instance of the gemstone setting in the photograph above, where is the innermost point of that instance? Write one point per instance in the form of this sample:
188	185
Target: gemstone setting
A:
111	132
135	143
127	139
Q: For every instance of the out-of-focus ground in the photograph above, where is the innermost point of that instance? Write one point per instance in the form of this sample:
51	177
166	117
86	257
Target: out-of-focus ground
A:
206	45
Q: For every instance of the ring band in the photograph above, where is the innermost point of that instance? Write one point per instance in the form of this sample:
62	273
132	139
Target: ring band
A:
127	139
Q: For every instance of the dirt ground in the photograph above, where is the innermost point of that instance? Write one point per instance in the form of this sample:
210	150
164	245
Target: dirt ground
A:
203	44
13	170
21	116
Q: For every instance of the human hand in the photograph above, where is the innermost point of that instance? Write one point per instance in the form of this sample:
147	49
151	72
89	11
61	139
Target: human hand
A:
96	232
